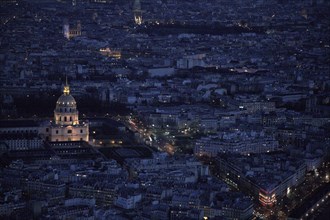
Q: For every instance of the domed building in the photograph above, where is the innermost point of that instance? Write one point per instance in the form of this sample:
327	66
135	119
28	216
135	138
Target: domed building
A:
66	125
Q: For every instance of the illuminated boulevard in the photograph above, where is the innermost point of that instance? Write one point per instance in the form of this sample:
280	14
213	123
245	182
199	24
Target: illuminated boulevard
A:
297	198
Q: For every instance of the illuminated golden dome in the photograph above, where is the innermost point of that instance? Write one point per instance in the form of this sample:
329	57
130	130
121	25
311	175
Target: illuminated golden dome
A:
66	101
66	112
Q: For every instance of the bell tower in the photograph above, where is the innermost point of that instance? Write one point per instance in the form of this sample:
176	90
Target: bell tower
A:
137	12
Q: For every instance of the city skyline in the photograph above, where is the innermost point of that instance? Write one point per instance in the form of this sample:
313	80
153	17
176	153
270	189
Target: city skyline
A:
187	109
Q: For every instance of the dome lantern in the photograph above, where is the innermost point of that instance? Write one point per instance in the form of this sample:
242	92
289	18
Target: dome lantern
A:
66	90
66	112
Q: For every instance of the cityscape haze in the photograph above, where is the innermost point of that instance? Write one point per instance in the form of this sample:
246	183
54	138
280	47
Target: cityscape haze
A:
167	109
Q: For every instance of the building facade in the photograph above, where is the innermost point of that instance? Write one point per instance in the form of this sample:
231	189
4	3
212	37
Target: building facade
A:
66	125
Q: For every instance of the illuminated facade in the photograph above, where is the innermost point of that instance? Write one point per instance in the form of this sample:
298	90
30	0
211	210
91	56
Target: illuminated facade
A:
267	198
30	134
66	125
137	12
110	53
267	183
71	32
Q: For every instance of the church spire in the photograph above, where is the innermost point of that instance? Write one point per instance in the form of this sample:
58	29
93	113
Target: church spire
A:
66	89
